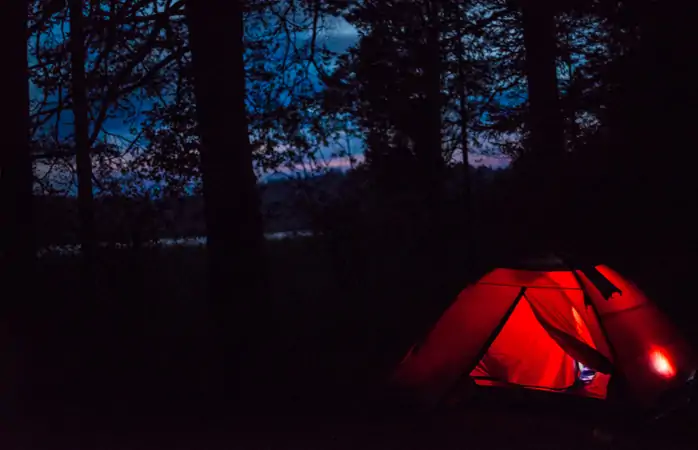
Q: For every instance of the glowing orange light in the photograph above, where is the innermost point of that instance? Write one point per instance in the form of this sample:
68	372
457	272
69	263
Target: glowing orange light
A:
661	363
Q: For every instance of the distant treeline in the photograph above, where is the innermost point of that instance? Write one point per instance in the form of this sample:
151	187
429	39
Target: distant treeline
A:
288	204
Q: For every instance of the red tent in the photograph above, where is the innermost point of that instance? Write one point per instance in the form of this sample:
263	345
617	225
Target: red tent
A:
552	330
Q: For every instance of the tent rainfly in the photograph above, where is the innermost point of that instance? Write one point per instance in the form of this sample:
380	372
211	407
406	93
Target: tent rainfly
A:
551	329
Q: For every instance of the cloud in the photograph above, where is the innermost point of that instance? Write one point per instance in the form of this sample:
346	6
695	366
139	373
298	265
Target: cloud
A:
339	35
491	161
346	152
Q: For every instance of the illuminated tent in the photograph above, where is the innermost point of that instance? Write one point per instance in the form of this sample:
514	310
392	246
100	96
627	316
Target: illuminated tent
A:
552	329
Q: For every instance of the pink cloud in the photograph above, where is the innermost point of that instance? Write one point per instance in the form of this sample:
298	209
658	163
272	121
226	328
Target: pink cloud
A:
346	162
494	162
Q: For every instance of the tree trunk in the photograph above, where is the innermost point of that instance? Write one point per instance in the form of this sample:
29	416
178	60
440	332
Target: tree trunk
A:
235	234
545	115
88	234
430	147
543	210
17	251
469	224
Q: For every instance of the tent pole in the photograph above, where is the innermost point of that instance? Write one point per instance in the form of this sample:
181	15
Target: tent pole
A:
587	301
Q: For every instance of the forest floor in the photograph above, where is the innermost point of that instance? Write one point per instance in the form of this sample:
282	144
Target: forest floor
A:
338	343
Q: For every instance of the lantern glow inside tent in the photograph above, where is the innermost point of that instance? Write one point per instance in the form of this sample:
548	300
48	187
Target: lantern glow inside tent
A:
551	330
661	363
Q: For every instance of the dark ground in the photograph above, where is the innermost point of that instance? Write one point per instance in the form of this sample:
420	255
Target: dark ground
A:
136	382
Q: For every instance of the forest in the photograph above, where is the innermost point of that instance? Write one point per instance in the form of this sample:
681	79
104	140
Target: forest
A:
415	144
